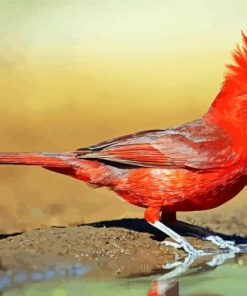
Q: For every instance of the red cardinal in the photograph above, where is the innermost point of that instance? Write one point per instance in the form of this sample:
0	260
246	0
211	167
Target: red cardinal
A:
195	166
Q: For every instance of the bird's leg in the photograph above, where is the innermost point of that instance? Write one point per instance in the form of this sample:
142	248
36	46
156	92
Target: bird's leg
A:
152	215
180	241
204	234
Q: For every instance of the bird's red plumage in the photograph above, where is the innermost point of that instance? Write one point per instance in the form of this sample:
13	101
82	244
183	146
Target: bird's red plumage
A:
196	166
235	82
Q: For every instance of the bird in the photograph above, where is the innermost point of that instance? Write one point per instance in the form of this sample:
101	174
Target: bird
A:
195	166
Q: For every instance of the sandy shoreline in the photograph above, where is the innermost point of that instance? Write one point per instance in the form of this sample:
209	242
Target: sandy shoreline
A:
118	248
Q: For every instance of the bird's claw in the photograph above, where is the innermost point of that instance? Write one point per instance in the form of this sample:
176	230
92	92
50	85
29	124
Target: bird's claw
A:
188	248
171	244
223	244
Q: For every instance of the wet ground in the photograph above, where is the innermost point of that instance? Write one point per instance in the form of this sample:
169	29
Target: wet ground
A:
120	253
119	248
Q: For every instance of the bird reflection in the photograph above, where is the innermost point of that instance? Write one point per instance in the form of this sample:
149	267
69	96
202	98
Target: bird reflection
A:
168	284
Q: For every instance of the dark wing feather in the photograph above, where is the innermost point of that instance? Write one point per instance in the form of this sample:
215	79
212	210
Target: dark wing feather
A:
196	145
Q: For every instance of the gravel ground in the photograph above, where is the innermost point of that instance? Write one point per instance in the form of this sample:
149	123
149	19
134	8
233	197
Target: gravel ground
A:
118	248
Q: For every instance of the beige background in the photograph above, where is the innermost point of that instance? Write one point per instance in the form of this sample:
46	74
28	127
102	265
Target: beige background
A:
73	73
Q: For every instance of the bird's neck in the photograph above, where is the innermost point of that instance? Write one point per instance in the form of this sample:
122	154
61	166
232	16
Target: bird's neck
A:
231	115
230	110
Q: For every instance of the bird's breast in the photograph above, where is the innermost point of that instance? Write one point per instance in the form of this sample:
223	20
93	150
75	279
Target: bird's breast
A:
181	189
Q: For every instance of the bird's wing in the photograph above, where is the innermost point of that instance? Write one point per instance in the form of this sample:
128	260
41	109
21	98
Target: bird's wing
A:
195	145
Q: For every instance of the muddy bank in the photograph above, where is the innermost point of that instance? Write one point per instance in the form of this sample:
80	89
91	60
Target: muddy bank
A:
108	251
119	248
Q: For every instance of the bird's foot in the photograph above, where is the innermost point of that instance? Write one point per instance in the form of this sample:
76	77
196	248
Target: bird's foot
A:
188	248
168	243
223	244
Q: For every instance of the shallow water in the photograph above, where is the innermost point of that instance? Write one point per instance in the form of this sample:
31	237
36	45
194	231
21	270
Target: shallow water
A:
221	275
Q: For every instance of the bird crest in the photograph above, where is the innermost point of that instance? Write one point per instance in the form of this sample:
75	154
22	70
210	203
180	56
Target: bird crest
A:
235	82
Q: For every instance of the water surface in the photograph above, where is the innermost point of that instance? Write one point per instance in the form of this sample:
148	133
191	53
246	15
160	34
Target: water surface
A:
222	274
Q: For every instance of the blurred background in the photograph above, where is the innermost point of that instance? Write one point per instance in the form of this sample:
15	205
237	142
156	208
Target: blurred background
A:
74	73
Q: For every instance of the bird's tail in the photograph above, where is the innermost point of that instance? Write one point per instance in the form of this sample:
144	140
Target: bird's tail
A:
45	159
65	163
